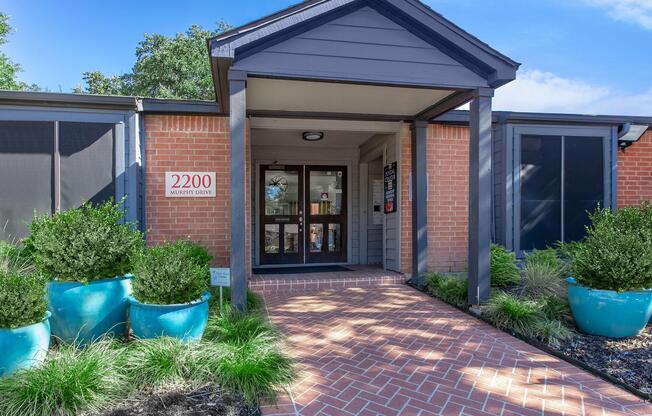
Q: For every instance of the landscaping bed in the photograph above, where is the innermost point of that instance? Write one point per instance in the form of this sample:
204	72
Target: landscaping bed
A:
586	302
183	401
628	360
135	329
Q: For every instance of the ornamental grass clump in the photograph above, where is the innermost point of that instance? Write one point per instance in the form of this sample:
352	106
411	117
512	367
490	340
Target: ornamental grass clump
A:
451	289
617	251
72	380
542	275
507	311
84	244
503	267
234	327
171	273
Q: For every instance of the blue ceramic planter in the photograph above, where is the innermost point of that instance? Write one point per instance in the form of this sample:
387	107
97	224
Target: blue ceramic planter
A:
186	321
83	313
608	313
24	347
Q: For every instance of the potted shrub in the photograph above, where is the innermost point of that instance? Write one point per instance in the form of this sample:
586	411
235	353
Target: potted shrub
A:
609	294
24	324
171	292
87	252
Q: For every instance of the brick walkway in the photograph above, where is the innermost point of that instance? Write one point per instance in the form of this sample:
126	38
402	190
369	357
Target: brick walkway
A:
389	350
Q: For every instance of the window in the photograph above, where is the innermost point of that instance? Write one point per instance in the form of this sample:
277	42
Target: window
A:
559	177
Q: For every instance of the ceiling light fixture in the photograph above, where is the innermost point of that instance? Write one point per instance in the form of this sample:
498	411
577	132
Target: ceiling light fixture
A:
313	136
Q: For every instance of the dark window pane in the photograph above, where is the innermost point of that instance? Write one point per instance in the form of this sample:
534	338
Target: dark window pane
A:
272	239
583	183
540	177
26	150
87	163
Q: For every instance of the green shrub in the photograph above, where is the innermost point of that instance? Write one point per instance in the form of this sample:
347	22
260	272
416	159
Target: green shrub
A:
541	278
169	274
547	257
503	267
231	326
257	368
254	300
154	362
22	299
451	289
70	381
556	308
617	251
507	311
552	331
83	244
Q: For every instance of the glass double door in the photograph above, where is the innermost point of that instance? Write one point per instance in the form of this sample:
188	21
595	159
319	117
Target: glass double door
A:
303	214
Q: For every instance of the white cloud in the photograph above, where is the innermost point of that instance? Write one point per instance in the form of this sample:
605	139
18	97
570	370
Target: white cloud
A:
540	91
632	11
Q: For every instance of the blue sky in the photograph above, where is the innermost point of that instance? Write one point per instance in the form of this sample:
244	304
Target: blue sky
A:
589	56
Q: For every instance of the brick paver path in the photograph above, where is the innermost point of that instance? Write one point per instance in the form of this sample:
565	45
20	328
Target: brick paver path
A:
391	350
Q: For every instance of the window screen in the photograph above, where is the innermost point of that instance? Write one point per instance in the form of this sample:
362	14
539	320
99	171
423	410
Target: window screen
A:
87	163
540	191
561	181
583	183
26	152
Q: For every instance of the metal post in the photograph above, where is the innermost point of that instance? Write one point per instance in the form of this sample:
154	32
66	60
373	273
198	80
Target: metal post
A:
238	119
419	201
480	197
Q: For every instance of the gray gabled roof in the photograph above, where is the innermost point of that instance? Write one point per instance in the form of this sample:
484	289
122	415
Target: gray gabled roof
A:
228	48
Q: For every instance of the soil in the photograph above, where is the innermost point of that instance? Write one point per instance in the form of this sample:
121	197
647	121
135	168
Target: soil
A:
205	401
627	359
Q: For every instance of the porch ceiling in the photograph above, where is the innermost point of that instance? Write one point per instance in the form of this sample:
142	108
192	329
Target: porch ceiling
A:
266	95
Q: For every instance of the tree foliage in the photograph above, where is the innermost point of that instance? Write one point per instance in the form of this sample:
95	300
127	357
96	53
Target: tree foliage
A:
8	69
166	67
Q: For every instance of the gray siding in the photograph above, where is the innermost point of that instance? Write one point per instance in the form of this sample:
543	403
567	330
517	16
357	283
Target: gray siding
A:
374	232
498	195
365	46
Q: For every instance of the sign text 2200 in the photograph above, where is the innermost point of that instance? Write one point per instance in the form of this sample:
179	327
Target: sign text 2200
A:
191	181
190	184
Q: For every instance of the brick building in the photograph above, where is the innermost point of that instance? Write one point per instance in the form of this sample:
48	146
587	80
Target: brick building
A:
334	140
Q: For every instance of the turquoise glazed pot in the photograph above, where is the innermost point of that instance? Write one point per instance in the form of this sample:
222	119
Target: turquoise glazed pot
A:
24	347
608	313
83	313
186	321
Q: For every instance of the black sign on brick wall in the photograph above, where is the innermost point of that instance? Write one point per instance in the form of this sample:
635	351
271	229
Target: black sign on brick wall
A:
390	188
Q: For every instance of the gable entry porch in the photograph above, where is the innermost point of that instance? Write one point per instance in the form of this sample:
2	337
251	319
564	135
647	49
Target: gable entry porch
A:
360	61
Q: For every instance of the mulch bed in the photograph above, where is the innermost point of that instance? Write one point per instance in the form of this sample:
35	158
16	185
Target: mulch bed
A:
205	401
629	359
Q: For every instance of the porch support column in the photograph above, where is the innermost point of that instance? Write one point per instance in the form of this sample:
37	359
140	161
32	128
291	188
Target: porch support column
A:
419	202
238	120
480	197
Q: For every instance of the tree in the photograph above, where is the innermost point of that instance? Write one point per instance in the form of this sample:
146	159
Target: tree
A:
166	67
9	69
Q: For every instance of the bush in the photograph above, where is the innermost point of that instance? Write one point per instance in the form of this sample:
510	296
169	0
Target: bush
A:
83	244
556	308
509	312
70	381
170	273
231	326
254	300
22	299
552	331
617	251
541	278
503	267
157	361
451	289
257	368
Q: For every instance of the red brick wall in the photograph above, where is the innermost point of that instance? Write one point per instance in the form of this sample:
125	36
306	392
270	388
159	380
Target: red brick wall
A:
635	172
189	143
448	190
